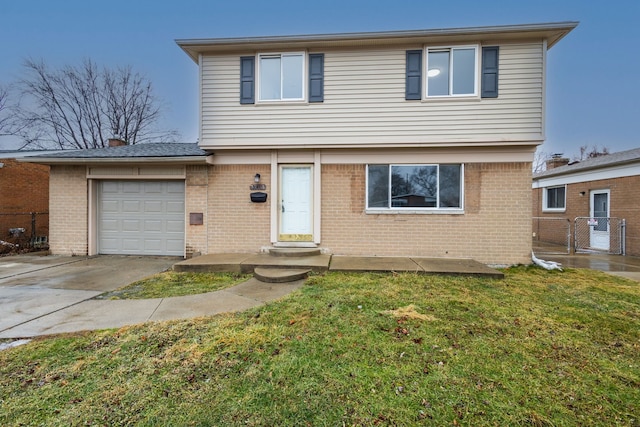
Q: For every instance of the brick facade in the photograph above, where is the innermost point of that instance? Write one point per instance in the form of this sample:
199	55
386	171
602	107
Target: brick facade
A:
24	188
624	204
68	210
235	223
494	229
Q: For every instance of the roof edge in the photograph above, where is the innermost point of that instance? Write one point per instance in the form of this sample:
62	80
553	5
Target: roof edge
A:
190	160
556	30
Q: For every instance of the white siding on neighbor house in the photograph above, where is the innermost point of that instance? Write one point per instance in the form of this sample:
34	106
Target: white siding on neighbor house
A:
364	104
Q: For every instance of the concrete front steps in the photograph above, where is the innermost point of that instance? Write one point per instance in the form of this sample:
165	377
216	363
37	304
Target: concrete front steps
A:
279	265
289	265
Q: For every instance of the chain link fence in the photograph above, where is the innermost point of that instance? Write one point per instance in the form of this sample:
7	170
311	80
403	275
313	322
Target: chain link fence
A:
24	232
551	235
600	234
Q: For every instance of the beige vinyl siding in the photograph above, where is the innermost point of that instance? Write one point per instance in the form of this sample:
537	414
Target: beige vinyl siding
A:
364	105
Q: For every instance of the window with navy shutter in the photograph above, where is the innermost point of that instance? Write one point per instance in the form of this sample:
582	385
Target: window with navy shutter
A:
413	85
316	77
247	79
490	71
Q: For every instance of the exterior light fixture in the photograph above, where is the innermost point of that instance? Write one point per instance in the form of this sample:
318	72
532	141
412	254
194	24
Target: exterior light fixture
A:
256	178
433	72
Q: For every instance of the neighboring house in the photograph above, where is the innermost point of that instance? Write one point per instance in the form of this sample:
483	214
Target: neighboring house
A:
594	189
333	130
24	197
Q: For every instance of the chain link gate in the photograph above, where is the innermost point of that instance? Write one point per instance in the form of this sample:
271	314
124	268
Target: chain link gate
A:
551	235
599	234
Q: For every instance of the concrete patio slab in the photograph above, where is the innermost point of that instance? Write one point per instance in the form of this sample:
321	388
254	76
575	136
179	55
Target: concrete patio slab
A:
373	264
212	263
457	267
317	263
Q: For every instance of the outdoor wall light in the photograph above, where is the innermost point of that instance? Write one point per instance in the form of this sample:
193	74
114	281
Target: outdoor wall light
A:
582	193
256	178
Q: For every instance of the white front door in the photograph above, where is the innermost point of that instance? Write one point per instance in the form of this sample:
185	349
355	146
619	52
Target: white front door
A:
296	207
599	233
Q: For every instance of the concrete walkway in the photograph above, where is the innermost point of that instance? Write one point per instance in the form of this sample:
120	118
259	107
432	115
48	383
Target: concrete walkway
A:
51	295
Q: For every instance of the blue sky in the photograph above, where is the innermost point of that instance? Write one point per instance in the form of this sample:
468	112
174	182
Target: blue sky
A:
593	94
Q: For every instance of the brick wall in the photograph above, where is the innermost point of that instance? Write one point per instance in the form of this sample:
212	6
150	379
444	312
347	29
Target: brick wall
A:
624	204
196	201
235	223
24	188
495	228
68	210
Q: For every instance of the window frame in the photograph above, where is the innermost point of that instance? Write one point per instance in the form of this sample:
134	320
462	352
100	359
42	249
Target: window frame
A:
303	77
476	71
413	209
545	199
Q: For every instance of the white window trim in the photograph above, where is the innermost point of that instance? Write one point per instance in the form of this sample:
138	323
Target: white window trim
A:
544	199
304	77
414	210
476	74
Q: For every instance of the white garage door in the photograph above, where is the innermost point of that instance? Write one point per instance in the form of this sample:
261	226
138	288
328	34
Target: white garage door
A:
141	217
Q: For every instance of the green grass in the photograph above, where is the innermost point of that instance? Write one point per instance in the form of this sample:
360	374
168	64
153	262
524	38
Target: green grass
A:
538	348
172	284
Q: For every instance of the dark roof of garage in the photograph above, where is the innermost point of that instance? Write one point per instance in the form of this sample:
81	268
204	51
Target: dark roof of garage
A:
161	152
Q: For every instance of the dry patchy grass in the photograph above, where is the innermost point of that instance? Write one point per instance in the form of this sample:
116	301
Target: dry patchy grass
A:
536	349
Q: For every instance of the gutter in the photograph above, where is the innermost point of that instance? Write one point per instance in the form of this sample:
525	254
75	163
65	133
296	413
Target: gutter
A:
188	160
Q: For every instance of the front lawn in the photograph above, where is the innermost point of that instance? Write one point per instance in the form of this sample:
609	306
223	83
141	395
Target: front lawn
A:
538	348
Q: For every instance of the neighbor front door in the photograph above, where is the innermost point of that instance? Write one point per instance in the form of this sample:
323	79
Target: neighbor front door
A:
296	207
599	233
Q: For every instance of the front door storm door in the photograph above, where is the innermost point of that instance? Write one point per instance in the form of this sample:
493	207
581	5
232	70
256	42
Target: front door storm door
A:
599	233
295	204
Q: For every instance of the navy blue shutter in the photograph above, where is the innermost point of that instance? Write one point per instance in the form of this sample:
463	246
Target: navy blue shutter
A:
413	85
247	79
316	77
490	71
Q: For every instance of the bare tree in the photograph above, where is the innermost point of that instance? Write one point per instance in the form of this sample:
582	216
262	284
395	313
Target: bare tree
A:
587	152
78	107
540	160
4	117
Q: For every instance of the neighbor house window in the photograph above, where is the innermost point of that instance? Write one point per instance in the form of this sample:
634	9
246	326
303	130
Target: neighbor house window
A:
452	71
281	77
554	198
414	186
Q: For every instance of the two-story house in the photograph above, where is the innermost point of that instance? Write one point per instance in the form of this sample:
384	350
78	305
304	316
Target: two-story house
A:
389	143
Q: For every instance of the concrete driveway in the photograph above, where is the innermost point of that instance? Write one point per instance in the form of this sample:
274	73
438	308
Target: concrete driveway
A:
35	286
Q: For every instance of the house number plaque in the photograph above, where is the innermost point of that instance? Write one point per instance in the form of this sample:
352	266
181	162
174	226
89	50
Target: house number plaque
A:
254	187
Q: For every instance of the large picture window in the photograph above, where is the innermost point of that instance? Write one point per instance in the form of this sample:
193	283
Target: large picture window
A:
281	77
554	198
414	186
452	71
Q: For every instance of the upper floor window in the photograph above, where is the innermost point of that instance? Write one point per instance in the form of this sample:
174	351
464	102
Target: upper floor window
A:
554	198
414	186
452	71
281	77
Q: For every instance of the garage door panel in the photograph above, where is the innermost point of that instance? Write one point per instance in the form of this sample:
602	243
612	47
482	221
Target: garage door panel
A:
110	206
174	207
130	225
153	207
141	217
131	187
174	227
153	225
